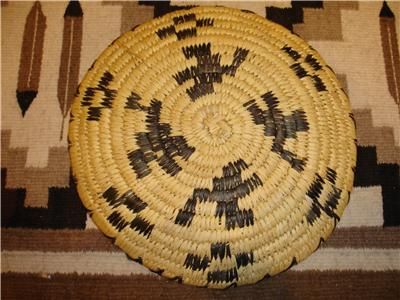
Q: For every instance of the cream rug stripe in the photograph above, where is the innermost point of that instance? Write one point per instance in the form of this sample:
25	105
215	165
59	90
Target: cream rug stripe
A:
352	259
116	263
364	209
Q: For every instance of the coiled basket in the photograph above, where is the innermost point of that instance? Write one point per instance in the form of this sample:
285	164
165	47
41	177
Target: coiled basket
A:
214	146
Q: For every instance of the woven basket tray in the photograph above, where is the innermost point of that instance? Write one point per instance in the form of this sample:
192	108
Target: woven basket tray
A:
215	147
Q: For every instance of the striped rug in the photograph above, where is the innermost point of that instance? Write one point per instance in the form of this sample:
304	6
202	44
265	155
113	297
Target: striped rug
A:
52	250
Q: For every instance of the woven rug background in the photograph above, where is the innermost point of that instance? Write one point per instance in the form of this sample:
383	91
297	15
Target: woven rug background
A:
50	249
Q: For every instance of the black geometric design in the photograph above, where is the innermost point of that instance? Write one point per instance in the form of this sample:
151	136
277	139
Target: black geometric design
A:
117	220
142	226
163	7
386	11
319	85
227	191
244	258
313	62
291	52
314	192
94	112
279	126
64	209
170	30
73	9
369	173
158	138
293	15
208	69
133	203
25	99
11	201
219	251
129	199
196	263
299	70
221	276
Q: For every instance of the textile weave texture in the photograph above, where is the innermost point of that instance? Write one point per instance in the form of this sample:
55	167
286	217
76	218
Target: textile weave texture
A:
50	247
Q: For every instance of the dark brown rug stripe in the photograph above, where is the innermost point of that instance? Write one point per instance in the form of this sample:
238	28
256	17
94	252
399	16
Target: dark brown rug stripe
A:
92	240
55	240
364	237
289	285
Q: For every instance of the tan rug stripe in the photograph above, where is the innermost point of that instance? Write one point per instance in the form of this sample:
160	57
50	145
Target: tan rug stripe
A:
36	181
117	263
381	137
324	24
132	13
289	285
93	240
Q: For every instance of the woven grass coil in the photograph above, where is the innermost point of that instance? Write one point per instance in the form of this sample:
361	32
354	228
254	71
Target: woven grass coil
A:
214	146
